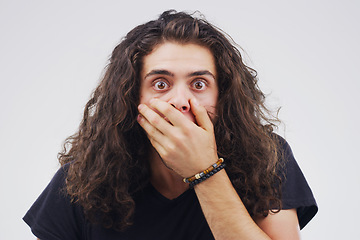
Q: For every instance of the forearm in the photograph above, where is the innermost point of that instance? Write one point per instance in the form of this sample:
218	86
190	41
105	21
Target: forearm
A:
224	211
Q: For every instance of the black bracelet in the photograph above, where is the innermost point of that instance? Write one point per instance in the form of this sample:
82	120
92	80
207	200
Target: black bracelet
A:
206	176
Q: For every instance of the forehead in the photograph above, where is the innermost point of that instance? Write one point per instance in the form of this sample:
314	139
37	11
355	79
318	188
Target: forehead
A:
178	58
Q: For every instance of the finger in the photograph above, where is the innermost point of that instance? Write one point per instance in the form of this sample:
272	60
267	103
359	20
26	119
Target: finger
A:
152	132
174	116
155	139
201	115
154	118
158	146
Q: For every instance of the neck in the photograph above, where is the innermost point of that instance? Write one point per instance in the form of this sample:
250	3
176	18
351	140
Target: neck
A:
165	180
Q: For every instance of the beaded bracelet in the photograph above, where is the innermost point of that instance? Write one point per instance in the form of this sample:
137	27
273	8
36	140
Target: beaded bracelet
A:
206	173
206	176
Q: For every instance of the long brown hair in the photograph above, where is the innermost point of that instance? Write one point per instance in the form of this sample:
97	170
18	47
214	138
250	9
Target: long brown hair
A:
108	155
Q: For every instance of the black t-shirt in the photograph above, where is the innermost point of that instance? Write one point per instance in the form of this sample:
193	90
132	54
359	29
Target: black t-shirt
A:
54	217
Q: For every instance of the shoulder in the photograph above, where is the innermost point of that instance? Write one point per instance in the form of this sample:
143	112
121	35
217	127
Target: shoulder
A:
53	213
296	191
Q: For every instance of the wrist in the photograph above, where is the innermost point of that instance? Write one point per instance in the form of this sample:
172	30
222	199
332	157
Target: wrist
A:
205	174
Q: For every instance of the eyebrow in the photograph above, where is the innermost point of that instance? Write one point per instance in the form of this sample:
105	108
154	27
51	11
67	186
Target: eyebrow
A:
201	73
167	73
159	72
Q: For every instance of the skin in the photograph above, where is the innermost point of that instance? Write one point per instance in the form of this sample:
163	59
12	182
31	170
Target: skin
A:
178	96
176	74
176	111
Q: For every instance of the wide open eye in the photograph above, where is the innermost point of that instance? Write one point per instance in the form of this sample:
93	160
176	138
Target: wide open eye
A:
199	85
160	85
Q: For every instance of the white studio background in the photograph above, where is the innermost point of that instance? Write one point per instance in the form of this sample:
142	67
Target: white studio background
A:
52	54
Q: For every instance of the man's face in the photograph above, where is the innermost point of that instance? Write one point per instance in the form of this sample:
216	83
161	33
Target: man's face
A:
175	73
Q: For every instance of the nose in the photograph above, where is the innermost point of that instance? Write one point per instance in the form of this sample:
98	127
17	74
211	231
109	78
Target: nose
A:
180	98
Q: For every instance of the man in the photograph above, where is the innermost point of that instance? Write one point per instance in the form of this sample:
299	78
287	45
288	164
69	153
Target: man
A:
147	161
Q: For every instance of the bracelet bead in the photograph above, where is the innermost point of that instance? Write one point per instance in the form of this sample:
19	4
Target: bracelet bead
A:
202	176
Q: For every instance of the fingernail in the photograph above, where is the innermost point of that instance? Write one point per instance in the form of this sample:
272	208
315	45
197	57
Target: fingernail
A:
140	106
139	117
196	102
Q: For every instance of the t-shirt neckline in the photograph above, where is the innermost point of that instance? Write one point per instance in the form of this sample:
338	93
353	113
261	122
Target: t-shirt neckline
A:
164	199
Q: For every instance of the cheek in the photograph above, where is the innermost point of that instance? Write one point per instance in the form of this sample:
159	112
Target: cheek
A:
142	99
208	100
145	92
145	96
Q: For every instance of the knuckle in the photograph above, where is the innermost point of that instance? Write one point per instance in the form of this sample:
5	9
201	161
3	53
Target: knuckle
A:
179	141
152	141
153	119
167	110
151	131
187	130
166	155
171	148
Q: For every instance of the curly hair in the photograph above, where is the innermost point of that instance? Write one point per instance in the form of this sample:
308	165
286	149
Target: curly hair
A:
107	156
